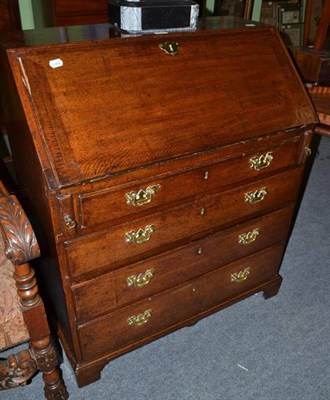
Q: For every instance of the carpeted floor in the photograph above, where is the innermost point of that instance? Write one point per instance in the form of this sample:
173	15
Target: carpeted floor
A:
277	349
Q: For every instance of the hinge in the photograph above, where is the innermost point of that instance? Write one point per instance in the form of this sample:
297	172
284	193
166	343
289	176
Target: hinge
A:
305	149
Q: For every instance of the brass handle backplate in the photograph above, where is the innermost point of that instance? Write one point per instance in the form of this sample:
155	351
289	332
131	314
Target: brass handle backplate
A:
141	197
140	236
70	223
171	48
249	237
141	279
256	196
261	162
140	319
240	276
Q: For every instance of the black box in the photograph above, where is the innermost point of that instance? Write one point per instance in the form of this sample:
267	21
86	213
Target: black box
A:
152	15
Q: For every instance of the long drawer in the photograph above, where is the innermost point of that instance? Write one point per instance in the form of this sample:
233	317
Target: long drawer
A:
165	310
134	238
146	278
110	204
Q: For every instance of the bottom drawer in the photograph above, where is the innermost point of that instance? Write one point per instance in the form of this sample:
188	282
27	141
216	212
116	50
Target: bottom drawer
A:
165	310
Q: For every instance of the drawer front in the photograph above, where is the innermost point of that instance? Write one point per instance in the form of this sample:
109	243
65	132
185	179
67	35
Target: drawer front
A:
146	278
157	314
106	205
133	239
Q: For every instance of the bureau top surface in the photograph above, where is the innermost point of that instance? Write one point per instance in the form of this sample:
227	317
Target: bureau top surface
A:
100	107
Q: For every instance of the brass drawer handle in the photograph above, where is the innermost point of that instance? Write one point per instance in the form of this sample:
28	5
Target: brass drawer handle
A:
249	237
141	235
170	48
70	223
141	197
140	319
240	276
257	196
141	279
261	162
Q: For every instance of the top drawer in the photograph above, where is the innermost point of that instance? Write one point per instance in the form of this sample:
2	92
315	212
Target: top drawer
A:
150	234
109	204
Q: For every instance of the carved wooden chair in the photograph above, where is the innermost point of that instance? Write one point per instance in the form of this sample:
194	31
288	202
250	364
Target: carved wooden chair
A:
22	312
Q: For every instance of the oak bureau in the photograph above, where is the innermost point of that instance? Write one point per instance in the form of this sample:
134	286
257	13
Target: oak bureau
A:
162	174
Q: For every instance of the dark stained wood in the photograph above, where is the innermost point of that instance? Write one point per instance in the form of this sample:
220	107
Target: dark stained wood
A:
313	59
323	26
9	21
321	100
77	12
121	115
9	15
313	66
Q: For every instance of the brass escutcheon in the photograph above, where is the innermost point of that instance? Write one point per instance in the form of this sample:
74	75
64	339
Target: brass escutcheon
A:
140	236
308	151
256	196
261	162
249	237
240	276
141	197
141	279
140	319
171	48
200	250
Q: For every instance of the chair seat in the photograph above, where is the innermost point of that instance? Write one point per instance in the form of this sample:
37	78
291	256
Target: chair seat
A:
13	330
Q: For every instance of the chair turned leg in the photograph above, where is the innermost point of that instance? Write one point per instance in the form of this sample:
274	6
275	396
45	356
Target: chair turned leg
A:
47	363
